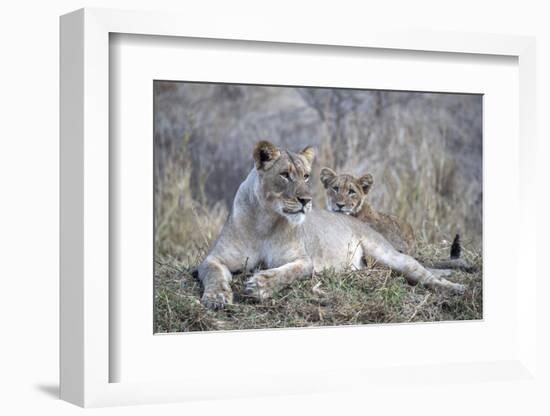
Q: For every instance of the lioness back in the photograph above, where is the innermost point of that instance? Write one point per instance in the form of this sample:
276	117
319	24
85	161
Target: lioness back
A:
399	233
337	241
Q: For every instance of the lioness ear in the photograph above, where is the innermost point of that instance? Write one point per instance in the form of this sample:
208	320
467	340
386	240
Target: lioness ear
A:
265	153
327	175
366	181
309	154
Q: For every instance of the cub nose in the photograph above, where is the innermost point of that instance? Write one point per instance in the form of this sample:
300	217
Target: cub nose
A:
304	200
340	205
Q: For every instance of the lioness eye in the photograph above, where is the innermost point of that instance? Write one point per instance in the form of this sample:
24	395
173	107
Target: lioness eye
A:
351	192
335	188
285	175
306	177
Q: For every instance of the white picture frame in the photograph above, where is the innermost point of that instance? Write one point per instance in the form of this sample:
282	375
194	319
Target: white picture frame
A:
86	356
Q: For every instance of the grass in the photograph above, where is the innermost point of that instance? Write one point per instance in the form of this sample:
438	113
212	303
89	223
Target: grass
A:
371	296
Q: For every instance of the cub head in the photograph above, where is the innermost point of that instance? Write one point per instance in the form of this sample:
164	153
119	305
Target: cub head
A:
283	180
345	193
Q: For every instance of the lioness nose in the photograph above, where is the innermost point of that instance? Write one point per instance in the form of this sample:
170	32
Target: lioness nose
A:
304	200
340	205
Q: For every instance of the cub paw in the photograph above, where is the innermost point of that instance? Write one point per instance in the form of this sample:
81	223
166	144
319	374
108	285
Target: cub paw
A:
217	299
257	287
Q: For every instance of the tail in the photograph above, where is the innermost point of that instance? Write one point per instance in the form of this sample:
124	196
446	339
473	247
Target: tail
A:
455	248
454	262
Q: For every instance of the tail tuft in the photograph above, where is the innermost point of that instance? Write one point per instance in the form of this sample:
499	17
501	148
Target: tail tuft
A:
455	248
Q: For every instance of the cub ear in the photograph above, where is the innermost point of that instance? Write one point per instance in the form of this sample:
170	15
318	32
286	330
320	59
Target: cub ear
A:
265	153
327	175
366	181
309	154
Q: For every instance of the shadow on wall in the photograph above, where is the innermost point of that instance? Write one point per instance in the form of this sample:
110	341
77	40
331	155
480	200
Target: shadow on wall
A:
51	390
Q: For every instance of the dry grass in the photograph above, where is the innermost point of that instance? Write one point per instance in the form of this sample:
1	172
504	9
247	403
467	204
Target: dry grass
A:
185	224
369	296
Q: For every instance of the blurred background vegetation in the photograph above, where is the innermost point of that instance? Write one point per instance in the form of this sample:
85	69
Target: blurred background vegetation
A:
424	150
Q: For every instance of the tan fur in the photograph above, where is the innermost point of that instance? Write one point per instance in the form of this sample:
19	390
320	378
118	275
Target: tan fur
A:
273	224
347	194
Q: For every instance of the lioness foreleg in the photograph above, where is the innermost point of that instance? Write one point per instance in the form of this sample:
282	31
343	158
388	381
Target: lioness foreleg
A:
413	271
215	277
263	284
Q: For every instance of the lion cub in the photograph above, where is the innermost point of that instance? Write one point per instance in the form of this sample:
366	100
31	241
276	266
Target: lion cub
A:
347	194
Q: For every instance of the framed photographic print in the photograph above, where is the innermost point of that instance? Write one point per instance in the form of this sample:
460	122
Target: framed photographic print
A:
256	205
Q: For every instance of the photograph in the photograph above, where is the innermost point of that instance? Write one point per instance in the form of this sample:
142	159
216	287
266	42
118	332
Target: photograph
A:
299	206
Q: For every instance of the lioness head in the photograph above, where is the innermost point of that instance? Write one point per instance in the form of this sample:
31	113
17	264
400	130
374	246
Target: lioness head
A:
283	180
345	193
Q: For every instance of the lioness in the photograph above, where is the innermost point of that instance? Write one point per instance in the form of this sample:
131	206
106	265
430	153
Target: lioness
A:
272	223
347	194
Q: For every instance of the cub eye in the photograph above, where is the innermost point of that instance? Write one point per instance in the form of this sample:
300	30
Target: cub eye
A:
335	188
351	192
285	176
306	177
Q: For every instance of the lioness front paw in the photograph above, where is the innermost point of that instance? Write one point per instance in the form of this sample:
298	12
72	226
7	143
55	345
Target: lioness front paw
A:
217	299
257	287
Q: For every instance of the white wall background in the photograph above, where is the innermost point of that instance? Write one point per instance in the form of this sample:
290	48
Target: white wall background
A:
29	182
